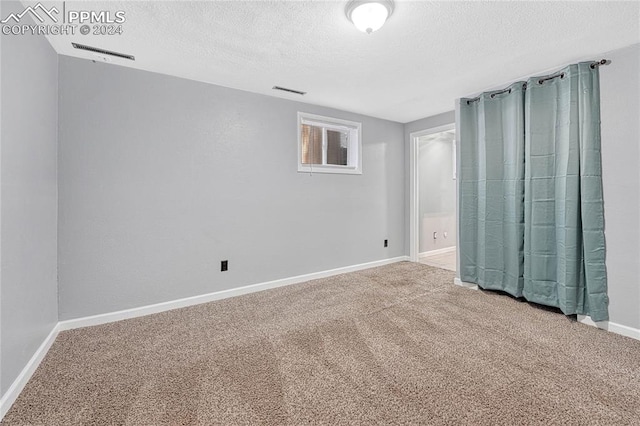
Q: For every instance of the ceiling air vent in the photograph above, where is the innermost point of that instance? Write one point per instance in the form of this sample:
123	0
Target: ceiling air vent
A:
284	89
102	51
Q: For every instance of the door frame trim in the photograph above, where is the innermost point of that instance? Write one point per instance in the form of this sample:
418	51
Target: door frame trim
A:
414	225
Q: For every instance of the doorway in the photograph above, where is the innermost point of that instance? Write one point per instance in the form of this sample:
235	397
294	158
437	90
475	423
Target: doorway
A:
433	227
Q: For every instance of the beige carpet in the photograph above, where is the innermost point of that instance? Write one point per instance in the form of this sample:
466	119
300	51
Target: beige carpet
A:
399	344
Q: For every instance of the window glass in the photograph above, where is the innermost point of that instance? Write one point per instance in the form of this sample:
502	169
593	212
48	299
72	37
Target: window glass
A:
311	144
337	147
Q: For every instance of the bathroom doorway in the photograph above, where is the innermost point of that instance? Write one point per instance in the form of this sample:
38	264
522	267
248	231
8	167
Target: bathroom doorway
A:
435	198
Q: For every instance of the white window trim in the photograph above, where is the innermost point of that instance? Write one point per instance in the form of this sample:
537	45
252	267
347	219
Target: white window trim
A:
354	155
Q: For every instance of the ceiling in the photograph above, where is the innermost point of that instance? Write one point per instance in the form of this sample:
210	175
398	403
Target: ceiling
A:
428	53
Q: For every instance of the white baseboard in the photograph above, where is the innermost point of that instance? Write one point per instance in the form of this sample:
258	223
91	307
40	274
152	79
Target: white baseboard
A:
437	251
16	387
613	327
471	286
20	382
209	297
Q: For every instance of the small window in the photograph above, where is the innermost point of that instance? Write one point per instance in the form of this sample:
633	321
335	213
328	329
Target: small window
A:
328	145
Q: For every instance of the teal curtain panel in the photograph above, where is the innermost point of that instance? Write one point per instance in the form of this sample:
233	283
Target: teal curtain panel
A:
564	247
531	205
492	190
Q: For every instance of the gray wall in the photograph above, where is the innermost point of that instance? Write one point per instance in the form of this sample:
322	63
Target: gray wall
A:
436	192
162	178
28	169
620	118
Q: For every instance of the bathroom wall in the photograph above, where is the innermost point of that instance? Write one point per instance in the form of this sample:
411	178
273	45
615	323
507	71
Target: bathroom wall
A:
437	191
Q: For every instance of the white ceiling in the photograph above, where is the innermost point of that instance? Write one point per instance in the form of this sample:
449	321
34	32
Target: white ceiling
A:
428	53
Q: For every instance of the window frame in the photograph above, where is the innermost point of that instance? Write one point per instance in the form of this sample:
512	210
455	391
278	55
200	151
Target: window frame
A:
354	149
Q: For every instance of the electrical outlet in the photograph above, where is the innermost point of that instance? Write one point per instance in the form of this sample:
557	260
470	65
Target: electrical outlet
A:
224	265
386	243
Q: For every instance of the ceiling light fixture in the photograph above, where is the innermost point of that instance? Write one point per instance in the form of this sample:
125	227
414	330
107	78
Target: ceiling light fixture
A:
369	15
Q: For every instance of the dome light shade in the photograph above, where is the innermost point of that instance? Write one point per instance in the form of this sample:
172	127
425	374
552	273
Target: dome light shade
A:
369	15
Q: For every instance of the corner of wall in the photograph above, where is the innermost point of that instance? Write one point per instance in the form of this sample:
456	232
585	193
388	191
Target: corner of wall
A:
57	185
1	50
457	165
28	207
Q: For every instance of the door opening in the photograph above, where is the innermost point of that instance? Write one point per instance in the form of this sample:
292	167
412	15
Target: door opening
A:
433	218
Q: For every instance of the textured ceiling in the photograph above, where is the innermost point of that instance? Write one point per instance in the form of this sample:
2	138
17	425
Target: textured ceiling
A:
428	53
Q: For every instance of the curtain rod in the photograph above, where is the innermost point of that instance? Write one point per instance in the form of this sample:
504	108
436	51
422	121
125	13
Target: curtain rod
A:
542	80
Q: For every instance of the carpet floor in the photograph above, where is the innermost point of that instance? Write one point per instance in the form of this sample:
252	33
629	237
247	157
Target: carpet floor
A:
398	344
